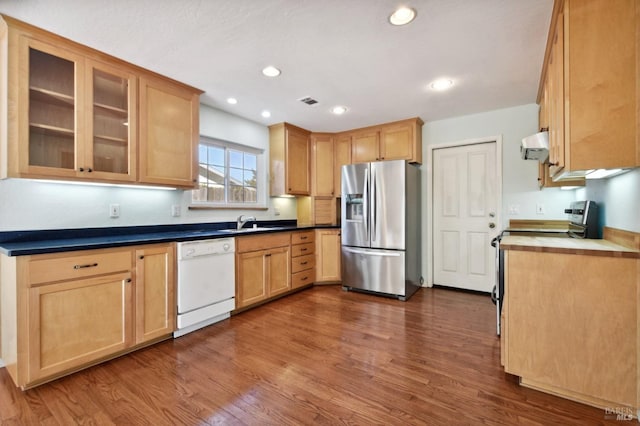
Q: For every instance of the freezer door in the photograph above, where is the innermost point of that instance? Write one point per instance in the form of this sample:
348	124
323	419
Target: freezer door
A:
376	270
355	205
388	204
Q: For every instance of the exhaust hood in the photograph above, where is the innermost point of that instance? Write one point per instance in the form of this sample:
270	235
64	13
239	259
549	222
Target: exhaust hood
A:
535	147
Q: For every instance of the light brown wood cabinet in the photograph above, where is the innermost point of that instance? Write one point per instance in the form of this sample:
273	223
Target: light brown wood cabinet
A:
155	292
169	133
72	113
573	334
322	164
328	254
262	267
303	260
400	140
342	157
289	152
588	87
62	312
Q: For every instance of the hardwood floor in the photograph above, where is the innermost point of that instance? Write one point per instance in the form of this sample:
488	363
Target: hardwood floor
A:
321	356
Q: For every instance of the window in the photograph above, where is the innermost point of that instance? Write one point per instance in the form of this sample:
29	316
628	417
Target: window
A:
229	175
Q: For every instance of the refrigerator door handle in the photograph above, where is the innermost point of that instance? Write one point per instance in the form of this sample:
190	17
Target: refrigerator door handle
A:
365	203
374	203
372	252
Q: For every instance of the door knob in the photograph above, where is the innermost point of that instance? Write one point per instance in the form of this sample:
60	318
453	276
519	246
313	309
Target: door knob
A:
492	225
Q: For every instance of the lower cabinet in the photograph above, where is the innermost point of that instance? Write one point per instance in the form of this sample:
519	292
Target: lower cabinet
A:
302	258
328	254
262	267
65	311
155	292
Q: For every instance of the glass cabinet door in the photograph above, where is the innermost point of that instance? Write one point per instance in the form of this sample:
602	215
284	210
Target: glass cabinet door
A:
112	123
52	108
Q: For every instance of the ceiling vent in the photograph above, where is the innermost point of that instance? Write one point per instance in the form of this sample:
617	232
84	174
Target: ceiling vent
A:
308	100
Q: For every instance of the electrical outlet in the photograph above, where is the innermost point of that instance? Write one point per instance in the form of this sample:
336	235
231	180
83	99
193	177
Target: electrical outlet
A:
175	210
114	210
514	209
540	208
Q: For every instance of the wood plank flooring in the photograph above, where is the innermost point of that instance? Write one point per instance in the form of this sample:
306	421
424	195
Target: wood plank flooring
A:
321	356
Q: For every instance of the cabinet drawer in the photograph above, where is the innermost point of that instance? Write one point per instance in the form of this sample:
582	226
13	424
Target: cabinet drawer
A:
60	267
262	242
302	278
301	263
302	237
302	249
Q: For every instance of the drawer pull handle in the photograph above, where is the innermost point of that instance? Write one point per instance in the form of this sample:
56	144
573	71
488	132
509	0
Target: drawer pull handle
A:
304	249
303	238
304	279
303	263
89	265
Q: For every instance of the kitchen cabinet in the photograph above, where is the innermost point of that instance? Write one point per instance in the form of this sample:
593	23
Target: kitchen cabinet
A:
328	253
64	311
342	157
322	164
401	140
169	133
302	258
72	114
262	267
155	292
590	77
558	325
289	160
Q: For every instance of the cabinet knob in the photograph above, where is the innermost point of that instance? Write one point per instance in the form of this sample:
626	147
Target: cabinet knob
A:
129	280
544	129
557	163
141	257
81	169
89	169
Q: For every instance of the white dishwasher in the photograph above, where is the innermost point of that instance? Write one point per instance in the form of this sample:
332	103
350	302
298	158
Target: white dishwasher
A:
206	283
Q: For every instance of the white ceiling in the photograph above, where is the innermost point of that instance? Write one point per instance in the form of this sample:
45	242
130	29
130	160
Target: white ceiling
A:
336	51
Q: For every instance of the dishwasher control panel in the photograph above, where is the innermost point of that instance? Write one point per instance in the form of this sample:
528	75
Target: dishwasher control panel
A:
193	249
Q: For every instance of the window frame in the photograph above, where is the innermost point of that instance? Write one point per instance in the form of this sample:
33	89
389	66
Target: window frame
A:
261	177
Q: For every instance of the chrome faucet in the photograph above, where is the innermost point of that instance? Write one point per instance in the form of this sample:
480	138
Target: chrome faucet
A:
242	220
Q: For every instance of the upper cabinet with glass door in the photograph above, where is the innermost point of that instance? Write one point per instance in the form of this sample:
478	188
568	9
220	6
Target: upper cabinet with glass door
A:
79	116
73	113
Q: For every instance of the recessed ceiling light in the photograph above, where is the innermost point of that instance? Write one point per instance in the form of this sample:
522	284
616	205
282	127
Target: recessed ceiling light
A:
266	114
232	101
271	71
338	110
441	84
402	16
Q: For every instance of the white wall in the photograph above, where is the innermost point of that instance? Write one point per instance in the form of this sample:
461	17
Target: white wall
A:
519	177
27	204
618	200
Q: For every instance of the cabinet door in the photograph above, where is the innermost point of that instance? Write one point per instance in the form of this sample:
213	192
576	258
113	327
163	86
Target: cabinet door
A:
110	149
155	292
278	270
297	162
169	133
365	147
396	142
76	322
49	102
556	104
250	278
342	157
322	159
328	256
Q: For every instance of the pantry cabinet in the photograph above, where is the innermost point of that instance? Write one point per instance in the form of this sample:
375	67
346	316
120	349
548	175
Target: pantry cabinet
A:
589	86
262	267
289	157
74	113
62	312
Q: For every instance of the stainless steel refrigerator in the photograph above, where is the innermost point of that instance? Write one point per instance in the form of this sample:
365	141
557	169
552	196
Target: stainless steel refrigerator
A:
380	224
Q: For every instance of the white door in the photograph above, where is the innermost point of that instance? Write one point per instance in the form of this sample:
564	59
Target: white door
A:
465	216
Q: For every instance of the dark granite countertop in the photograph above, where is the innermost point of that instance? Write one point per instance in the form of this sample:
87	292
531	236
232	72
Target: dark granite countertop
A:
20	243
